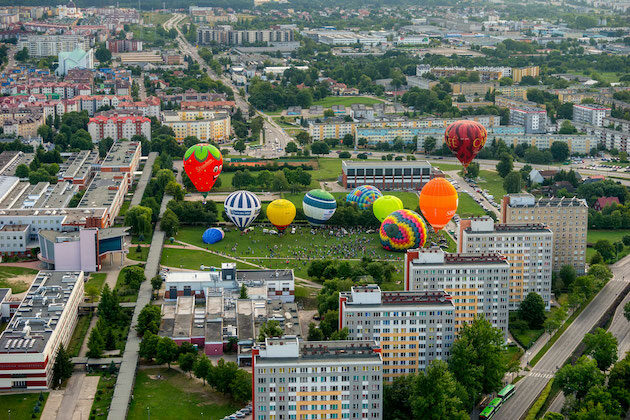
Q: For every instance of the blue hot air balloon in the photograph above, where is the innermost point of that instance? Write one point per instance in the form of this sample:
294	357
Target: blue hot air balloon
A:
242	207
212	235
319	206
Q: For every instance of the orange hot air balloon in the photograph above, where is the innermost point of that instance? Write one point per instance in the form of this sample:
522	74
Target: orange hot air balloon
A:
438	202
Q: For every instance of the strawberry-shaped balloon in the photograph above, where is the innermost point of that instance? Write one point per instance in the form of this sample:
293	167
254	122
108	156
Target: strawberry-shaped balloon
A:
203	163
465	138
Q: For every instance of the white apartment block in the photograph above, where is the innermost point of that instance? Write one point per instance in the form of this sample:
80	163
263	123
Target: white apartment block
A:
590	114
119	127
47	45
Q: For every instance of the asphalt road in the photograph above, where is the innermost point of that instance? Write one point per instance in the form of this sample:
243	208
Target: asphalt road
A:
530	387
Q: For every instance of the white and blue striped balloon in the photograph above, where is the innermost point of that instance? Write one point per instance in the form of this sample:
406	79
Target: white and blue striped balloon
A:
242	207
319	206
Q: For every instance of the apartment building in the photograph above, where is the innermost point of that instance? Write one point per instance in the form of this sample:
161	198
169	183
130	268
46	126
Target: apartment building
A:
47	45
206	125
412	327
477	283
519	73
224	34
566	217
119	127
123	45
528	248
473	88
386	175
534	120
44	321
294	379
577	143
590	114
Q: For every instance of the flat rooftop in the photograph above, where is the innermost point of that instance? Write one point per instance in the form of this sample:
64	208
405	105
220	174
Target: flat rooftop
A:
519	228
121	155
264	275
102	189
385	164
331	351
37	316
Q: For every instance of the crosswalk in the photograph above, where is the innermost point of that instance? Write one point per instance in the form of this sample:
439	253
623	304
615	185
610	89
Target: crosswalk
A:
536	374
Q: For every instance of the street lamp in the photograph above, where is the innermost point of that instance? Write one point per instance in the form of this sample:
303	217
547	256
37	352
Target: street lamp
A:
9	413
148	413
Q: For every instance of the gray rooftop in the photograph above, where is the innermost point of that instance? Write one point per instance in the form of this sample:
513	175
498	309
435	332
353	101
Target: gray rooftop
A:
120	155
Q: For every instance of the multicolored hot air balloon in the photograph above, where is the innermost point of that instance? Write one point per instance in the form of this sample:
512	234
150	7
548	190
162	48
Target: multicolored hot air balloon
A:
364	196
212	235
319	206
403	230
281	213
242	208
203	164
386	205
438	202
465	138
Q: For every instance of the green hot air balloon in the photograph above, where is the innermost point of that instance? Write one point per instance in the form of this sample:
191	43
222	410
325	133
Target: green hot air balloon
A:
386	205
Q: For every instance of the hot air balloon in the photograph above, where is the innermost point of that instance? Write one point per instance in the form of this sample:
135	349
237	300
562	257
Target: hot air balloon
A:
212	235
364	196
203	163
319	206
438	202
465	138
386	205
281	213
242	207
403	230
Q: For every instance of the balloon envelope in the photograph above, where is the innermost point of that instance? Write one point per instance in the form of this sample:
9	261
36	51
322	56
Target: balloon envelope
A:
364	196
403	230
465	138
438	202
242	208
203	164
281	213
319	206
212	235
386	205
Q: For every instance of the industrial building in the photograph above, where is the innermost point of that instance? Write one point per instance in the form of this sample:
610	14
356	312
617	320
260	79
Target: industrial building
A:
398	175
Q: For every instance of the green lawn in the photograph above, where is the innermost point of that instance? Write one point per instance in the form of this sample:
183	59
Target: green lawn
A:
138	256
467	207
155	18
21	405
492	182
175	396
78	336
611	235
125	293
96	281
104	394
329	169
193	259
8	278
346	101
447	166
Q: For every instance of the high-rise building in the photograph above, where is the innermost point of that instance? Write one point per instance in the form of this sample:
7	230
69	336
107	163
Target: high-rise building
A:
590	114
534	120
224	34
477	283
293	379
527	247
47	45
44	321
119	127
413	327
566	217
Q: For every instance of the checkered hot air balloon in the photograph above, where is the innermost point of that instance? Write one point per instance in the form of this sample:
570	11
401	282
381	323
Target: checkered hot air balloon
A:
403	230
242	208
364	196
319	206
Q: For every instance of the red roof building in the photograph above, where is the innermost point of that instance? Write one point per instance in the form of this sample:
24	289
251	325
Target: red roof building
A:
603	202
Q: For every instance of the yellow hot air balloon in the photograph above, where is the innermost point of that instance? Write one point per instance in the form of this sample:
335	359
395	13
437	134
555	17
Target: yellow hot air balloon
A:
281	213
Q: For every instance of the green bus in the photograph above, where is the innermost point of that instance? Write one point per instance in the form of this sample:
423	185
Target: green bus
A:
490	409
506	392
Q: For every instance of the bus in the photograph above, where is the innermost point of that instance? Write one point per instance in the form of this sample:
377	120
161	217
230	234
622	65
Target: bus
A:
506	392
491	409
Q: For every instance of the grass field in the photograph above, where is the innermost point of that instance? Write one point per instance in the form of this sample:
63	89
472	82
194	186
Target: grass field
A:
78	336
124	293
96	280
447	166
138	256
8	278
21	406
175	396
193	259
346	101
154	18
104	394
492	182
467	207
611	235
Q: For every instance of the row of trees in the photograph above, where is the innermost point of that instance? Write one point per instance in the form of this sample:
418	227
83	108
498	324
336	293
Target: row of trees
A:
282	180
110	331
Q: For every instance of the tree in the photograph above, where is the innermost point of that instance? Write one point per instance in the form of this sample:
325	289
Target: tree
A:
45	132
174	189
291	147
626	310
320	148
104	145
102	54
559	150
22	55
329	113
436	394
187	361
156	283
108	306
302	137
477	359
96	344
314	333
167	351
202	368
149	320
473	170
241	386
240	146
604	247
532	310
348	140
620	374
568	275
579	378
22	171
567	128
601	346
139	218
429	144
134	276
62	369
169	223
148	345
555	320
243	292
505	165
513	183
